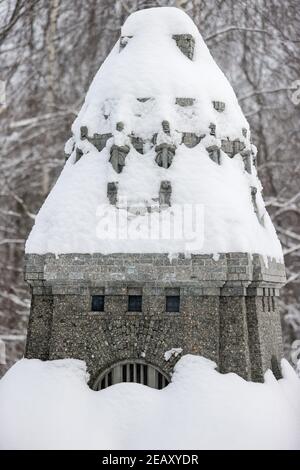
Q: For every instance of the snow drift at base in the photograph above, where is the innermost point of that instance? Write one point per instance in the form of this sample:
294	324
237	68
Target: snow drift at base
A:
48	405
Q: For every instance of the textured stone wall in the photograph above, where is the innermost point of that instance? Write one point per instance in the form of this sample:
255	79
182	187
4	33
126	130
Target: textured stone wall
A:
234	341
228	309
39	328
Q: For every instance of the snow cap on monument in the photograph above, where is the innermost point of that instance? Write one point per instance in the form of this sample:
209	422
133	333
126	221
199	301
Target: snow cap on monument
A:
160	133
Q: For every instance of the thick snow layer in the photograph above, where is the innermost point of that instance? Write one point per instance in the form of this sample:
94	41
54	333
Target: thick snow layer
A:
77	217
48	405
151	65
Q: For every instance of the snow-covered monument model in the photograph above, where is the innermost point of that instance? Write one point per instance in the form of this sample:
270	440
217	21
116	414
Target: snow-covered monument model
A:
160	132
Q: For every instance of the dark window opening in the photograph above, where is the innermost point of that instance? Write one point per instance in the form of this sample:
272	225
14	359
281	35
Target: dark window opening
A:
134	303
172	303
97	303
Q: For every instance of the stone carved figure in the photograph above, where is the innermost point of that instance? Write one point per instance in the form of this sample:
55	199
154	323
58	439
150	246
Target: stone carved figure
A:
120	126
79	154
137	143
246	156
190	139
165	193
166	127
117	157
254	156
83	132
186	43
144	100
124	41
238	146
100	140
185	102
255	206
165	154
219	106
232	147
212	128
112	192
214	153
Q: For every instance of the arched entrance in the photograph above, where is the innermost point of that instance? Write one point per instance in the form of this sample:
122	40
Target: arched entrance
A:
134	370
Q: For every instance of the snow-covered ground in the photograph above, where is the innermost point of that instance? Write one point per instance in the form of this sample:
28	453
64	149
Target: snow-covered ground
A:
46	405
152	67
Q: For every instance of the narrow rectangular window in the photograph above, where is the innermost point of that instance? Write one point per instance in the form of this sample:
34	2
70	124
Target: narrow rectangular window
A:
172	303
97	303
134	303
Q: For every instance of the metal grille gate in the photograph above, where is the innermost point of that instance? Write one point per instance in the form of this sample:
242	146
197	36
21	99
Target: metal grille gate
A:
136	372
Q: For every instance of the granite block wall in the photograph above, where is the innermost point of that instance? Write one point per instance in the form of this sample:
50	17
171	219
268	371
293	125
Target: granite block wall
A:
228	310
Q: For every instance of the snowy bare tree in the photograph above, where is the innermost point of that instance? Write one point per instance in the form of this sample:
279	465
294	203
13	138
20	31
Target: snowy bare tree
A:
49	52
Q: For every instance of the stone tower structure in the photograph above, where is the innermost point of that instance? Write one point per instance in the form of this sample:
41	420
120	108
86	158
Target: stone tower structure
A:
160	133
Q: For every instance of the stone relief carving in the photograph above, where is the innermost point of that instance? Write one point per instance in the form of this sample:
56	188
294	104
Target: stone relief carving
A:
212	128
165	193
79	154
190	139
232	147
185	101
120	126
214	153
112	192
124	41
219	106
165	154
246	155
186	43
137	143
255	206
99	140
166	127
117	157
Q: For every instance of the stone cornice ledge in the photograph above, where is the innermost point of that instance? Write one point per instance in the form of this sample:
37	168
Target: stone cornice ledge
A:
232	273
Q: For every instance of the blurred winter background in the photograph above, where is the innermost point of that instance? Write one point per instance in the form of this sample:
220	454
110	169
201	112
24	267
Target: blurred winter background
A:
49	53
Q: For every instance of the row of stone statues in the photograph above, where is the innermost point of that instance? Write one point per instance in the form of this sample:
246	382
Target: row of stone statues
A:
185	43
165	193
164	199
165	152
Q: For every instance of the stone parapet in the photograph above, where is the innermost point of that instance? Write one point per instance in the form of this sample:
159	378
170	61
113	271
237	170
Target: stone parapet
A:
228	309
231	271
